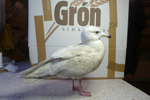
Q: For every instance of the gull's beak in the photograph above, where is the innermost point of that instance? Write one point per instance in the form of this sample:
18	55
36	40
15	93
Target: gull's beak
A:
107	35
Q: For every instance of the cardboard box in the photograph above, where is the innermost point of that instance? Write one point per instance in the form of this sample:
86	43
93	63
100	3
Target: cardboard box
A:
54	24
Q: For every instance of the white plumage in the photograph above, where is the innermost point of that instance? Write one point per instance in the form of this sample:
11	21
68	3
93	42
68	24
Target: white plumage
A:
74	61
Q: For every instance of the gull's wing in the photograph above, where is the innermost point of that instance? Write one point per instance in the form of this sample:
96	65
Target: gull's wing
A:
72	51
64	53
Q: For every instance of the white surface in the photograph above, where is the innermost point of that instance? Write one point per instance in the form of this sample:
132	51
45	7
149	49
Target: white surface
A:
1	62
11	68
114	89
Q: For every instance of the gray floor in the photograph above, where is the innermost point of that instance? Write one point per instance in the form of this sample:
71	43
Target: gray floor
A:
114	89
108	89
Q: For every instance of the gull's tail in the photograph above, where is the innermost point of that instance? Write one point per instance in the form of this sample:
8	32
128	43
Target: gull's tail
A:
29	74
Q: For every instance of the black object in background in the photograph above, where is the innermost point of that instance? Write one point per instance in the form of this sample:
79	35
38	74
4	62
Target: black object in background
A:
137	22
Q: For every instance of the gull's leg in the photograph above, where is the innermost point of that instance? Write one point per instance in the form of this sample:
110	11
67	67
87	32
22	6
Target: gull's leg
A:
75	88
82	92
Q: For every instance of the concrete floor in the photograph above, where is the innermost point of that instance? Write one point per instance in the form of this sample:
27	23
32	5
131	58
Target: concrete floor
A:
108	89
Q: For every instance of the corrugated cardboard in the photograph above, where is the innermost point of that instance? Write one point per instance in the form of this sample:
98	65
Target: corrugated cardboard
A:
54	24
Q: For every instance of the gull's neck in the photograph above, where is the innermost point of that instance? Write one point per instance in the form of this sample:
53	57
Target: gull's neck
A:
97	45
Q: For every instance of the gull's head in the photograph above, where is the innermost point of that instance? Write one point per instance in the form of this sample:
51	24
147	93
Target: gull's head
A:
93	33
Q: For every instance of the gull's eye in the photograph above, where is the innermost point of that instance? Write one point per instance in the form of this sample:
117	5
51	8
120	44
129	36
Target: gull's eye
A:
97	32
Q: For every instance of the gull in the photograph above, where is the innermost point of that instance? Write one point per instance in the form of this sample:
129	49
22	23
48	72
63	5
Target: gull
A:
74	61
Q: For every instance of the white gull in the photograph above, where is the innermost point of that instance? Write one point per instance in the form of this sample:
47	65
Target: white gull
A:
74	61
